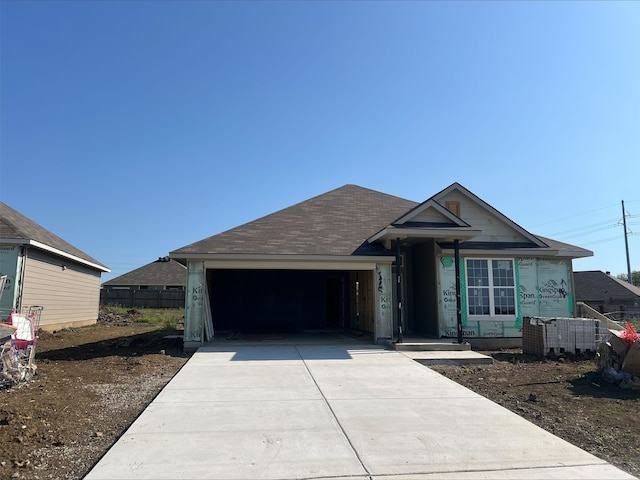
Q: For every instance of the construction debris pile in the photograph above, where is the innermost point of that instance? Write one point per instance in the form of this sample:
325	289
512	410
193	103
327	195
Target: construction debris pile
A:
619	358
111	317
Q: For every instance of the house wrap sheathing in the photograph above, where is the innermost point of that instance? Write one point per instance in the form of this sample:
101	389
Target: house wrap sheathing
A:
359	260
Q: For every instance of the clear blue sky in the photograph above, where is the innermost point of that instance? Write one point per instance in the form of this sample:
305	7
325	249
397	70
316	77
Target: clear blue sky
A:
131	129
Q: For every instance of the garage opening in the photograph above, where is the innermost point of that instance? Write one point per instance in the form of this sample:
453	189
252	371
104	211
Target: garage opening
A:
279	301
334	302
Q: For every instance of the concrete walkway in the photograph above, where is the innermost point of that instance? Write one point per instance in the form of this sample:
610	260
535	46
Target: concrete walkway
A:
332	412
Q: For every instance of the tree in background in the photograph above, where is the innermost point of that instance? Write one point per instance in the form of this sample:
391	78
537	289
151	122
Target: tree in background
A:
635	277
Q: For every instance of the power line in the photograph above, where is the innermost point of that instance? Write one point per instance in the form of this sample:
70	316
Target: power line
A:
611	222
588	212
576	215
587	230
604	240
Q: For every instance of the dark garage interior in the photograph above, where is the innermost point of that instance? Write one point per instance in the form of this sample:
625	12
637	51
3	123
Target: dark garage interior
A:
278	301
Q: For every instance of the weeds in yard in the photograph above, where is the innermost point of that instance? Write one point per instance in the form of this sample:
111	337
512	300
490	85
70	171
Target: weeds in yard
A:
167	317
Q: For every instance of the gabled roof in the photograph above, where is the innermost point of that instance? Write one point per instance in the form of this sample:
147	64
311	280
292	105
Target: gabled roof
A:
435	222
355	221
163	271
336	223
536	241
431	219
16	229
597	286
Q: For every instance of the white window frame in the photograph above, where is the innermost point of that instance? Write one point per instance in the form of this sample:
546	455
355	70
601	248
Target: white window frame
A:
492	315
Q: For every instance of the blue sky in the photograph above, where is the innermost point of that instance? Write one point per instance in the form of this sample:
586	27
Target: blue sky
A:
133	128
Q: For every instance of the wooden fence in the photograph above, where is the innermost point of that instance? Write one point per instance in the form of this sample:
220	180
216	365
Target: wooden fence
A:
143	298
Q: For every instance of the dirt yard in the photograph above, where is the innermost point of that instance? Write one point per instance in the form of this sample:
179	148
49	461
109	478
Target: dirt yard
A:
92	382
566	396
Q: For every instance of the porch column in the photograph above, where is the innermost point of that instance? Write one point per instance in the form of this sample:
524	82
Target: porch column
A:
399	289
383	314
456	247
194	306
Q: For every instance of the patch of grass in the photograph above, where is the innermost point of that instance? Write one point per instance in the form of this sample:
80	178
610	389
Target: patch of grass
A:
166	317
163	316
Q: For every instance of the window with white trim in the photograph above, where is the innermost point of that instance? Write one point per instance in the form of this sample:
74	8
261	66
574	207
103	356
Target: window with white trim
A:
491	287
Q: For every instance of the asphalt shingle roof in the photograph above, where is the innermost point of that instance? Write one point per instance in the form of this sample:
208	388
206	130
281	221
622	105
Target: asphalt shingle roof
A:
14	225
338	222
597	286
161	272
564	247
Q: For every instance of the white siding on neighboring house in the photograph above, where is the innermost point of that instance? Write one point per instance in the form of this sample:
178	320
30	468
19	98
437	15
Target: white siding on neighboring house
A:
69	295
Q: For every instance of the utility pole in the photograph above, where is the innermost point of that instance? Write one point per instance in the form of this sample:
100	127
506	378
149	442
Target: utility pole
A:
626	243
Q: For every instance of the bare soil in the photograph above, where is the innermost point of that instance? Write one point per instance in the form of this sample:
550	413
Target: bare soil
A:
566	396
90	384
93	382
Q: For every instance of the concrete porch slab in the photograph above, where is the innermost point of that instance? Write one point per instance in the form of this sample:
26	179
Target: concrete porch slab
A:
449	357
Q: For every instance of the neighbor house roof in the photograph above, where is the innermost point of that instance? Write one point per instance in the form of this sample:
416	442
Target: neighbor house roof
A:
163	271
338	222
597	286
16	229
355	221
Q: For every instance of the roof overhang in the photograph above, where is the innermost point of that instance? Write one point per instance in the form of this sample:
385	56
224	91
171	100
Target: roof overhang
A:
420	234
286	262
55	251
522	252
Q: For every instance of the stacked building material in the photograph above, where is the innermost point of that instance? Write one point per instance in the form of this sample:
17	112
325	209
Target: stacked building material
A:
545	336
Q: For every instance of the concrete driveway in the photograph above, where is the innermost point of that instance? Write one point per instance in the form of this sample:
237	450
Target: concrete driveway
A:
332	412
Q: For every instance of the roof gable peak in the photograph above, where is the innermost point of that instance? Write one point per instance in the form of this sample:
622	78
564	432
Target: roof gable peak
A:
431	211
456	190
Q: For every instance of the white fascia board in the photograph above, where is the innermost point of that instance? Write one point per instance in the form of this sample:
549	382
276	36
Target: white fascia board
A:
288	262
42	246
291	265
437	233
520	252
60	253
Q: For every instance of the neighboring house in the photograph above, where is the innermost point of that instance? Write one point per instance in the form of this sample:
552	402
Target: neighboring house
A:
607	294
330	263
43	269
162	274
159	284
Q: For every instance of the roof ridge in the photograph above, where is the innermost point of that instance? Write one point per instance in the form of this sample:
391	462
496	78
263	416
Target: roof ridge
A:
352	210
376	191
